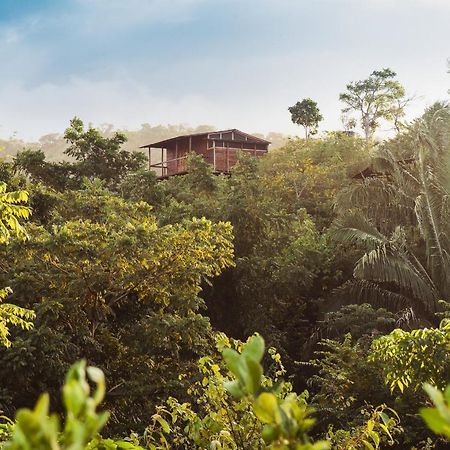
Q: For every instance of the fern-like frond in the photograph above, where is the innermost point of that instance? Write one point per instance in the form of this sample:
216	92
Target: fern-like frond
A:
12	211
12	315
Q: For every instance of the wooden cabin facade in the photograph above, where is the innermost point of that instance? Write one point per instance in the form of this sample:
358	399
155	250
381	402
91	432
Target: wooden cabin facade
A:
218	148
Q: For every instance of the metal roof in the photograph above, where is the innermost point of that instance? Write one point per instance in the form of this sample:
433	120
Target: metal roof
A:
250	138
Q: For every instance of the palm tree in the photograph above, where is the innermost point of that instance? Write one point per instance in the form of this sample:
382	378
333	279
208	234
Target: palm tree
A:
401	217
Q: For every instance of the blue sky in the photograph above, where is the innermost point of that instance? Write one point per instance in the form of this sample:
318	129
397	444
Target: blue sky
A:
229	63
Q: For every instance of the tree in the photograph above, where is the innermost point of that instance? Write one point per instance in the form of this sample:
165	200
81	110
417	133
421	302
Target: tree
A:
98	156
398	112
95	155
308	174
306	113
377	97
111	285
349	381
59	175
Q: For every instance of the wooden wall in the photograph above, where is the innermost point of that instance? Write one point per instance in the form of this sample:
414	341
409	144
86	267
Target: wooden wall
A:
226	153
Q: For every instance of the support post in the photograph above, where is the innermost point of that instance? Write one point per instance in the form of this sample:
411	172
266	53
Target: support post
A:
214	155
149	158
228	157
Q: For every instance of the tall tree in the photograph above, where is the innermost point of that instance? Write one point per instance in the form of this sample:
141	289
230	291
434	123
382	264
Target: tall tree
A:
98	156
306	114
377	97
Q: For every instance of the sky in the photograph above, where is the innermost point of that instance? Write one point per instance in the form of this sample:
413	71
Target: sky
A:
227	63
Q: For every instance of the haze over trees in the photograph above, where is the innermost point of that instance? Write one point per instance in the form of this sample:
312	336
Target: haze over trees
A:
331	253
54	145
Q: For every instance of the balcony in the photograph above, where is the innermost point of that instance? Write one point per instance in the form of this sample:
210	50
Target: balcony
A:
221	158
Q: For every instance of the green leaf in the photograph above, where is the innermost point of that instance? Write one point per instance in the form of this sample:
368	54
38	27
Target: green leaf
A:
270	433
266	408
164	425
434	421
233	387
232	360
254	348
375	437
368	445
254	374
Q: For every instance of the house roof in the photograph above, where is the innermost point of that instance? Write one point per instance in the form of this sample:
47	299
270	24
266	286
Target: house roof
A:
373	171
209	135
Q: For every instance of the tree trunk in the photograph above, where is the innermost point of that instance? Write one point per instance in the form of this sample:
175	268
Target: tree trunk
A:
367	130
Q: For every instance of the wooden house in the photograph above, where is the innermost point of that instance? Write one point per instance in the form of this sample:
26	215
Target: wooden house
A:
218	148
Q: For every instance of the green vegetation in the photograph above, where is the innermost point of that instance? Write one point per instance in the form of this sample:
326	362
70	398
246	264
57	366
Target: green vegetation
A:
335	249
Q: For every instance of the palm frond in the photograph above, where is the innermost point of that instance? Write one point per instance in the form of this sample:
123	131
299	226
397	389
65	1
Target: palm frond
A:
355	228
380	265
363	291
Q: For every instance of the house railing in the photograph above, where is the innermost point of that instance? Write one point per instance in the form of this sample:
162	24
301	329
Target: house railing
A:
178	165
175	166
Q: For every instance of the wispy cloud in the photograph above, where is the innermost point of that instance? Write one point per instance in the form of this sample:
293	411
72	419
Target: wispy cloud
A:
18	31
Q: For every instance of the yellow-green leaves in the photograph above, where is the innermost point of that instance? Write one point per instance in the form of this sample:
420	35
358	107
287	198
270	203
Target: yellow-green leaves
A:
437	418
376	432
12	212
415	357
12	315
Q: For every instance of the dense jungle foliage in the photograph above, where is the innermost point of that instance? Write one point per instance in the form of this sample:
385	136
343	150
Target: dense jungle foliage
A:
335	249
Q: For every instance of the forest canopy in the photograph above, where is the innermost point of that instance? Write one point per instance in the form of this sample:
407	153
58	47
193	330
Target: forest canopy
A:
300	301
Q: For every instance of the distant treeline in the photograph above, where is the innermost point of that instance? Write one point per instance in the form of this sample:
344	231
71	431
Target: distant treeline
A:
54	144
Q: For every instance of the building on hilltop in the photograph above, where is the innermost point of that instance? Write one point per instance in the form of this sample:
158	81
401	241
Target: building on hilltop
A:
218	148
